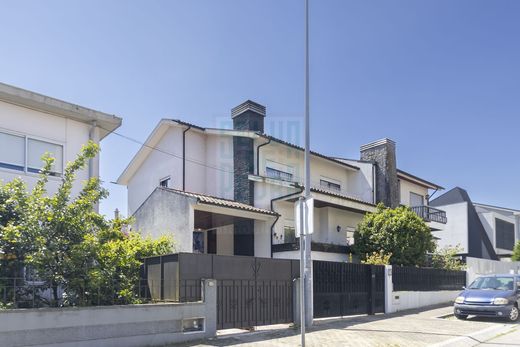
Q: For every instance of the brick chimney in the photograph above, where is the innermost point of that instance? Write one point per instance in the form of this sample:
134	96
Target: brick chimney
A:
383	154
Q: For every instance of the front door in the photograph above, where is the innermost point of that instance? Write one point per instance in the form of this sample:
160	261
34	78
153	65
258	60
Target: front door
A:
212	241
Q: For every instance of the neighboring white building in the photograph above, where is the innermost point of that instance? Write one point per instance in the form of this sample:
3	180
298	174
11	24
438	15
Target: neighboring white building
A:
32	124
232	191
482	231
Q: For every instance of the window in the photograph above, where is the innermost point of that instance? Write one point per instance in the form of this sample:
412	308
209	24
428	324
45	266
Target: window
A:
279	171
16	158
165	182
289	233
505	234
330	185
416	200
36	149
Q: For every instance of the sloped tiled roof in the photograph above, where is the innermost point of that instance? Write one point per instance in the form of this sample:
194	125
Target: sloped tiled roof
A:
211	200
340	195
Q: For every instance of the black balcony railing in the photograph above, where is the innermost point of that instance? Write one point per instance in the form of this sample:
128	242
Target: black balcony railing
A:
430	214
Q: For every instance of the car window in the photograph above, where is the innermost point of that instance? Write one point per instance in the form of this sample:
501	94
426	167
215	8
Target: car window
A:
493	283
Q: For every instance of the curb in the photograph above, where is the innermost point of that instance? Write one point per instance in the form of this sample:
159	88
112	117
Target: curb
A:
475	339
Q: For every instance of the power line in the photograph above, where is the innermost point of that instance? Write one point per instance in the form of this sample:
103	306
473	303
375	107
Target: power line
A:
166	152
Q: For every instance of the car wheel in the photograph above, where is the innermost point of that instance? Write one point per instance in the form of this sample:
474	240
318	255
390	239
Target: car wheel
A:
513	315
461	316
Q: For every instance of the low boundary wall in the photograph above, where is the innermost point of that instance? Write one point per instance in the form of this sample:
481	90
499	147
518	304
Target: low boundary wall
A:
111	326
477	267
401	300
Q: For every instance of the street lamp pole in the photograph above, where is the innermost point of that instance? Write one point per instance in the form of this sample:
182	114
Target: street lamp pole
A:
308	237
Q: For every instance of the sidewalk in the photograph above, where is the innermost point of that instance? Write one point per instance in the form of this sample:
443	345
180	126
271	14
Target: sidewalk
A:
410	328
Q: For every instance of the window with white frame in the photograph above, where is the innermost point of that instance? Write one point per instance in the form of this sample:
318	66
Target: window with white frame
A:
25	154
279	171
12	155
330	184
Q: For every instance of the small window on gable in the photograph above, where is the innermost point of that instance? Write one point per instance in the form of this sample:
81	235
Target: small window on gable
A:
165	182
330	184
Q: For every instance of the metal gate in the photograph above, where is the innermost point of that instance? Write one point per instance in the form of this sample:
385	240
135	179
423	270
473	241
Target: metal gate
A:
250	291
342	289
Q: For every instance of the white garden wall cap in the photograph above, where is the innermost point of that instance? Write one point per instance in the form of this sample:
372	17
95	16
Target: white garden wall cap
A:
211	200
25	98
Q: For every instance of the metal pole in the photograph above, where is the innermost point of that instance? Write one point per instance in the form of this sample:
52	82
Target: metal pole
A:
301	201
308	237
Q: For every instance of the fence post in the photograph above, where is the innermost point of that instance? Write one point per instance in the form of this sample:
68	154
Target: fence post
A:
372	291
389	289
296	302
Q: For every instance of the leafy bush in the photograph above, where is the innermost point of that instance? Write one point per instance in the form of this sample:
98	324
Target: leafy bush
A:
377	258
516	252
68	245
446	258
398	232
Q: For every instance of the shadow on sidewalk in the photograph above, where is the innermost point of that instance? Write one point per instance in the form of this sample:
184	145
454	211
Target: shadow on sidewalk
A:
338	323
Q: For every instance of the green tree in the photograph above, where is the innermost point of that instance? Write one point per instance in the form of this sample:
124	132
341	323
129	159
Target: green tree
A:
399	232
446	258
516	252
66	242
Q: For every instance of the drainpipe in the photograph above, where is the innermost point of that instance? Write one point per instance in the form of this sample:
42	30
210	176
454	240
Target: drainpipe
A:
258	157
184	157
374	183
92	137
278	217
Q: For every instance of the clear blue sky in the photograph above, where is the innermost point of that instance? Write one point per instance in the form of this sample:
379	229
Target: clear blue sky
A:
440	77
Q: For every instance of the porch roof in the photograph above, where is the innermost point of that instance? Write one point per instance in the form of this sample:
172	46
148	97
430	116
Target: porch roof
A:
211	200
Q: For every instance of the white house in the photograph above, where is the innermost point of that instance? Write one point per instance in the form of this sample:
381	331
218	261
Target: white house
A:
481	231
32	124
232	191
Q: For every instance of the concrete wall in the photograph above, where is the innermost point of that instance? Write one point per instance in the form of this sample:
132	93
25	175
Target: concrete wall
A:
70	134
167	213
455	232
477	267
109	326
406	300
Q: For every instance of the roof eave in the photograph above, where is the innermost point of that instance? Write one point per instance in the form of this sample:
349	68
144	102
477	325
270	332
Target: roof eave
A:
25	98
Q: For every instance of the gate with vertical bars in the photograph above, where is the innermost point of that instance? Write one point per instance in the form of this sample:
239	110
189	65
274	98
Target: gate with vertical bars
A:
342	289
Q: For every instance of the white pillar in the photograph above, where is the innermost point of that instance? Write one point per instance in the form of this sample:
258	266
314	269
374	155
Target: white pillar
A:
389	290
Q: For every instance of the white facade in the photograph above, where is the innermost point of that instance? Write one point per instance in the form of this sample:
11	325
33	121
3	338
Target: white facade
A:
455	232
201	160
31	124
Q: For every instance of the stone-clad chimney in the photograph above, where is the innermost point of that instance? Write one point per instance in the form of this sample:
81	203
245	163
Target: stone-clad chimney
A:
246	116
382	153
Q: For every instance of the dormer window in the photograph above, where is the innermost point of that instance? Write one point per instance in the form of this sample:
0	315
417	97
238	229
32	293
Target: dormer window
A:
165	182
329	184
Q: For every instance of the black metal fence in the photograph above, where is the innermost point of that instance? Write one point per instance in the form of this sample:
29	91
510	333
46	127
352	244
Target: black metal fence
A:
250	291
21	293
426	279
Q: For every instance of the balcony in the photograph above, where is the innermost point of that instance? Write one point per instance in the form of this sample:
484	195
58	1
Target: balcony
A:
430	214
